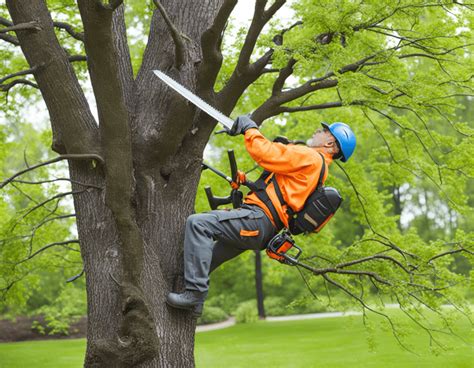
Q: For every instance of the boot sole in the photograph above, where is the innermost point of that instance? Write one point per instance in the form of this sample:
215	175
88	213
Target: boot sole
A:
196	309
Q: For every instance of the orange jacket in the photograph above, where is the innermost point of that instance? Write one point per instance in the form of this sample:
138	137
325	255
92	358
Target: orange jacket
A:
296	168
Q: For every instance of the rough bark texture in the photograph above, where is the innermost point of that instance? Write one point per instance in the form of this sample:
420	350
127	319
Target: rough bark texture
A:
131	231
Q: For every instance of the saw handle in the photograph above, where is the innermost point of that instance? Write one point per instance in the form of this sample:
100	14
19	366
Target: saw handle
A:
236	195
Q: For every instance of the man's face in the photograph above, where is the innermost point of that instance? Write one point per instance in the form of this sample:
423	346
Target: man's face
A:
321	138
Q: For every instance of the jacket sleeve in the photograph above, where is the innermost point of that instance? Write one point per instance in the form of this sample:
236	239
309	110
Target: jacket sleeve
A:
276	157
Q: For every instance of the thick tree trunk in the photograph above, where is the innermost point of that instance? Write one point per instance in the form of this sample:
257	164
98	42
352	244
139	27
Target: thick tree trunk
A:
161	215
131	231
167	153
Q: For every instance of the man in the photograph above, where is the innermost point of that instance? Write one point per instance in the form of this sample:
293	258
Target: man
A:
215	237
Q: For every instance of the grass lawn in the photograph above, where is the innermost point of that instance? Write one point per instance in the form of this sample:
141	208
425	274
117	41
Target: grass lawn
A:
332	342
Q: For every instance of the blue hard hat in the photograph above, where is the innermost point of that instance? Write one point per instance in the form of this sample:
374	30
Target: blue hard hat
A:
345	138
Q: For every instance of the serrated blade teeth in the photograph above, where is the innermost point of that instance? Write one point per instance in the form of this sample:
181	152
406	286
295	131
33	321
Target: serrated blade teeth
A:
196	100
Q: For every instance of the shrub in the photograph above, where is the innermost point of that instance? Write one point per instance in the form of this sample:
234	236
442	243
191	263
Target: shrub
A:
212	315
226	302
276	306
246	312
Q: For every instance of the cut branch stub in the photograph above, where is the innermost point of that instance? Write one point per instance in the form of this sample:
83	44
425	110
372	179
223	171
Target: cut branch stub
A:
30	26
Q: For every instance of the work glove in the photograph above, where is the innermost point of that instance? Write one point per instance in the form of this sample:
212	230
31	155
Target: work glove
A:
241	125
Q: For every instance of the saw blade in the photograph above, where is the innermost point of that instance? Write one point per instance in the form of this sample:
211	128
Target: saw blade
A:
196	100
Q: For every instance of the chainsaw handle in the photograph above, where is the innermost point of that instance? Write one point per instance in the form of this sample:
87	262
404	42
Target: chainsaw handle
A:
292	260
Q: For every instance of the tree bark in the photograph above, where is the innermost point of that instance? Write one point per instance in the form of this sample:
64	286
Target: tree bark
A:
130	232
259	285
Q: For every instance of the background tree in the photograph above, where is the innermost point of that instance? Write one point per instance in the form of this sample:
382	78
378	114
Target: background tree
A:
390	68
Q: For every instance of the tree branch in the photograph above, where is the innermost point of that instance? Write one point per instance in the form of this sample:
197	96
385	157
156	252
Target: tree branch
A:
68	28
327	105
73	125
454	251
283	76
8	86
210	45
46	201
21	73
365	306
56	159
245	73
260	19
58	179
63	243
175	34
30	26
112	5
75	277
76	58
10	39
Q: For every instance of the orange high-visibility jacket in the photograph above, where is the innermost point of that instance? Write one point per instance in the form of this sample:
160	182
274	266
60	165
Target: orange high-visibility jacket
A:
296	168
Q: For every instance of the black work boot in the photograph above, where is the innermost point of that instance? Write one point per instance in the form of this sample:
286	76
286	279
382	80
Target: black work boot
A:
189	300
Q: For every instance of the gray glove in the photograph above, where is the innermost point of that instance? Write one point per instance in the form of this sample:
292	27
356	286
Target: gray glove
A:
241	125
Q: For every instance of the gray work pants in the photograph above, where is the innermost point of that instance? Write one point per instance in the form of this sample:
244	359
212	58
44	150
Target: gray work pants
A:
214	237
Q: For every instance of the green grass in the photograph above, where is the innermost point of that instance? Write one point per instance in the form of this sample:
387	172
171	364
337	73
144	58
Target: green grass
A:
333	342
328	343
42	354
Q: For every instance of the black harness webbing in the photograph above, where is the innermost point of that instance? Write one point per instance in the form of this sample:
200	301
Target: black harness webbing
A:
260	189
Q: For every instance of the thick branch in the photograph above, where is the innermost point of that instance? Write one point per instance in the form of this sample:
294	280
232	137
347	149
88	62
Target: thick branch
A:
260	18
76	58
5	22
245	73
210	44
283	76
73	126
31	26
175	34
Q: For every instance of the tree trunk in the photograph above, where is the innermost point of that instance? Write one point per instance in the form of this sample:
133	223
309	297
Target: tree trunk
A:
167	154
259	285
161	216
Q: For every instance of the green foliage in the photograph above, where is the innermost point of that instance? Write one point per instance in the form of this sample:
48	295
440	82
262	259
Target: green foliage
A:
212	315
408	190
246	312
67	308
33	278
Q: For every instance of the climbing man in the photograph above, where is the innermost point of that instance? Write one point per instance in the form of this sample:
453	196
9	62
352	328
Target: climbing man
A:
217	236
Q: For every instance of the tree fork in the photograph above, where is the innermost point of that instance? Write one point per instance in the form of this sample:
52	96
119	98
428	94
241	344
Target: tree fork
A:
137	340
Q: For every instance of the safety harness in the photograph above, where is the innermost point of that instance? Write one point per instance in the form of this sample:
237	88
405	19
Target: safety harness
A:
316	211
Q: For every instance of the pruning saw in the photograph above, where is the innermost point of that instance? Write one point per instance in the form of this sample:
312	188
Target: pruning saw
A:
196	100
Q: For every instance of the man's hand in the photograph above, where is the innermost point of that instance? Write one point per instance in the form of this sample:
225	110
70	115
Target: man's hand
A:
241	125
